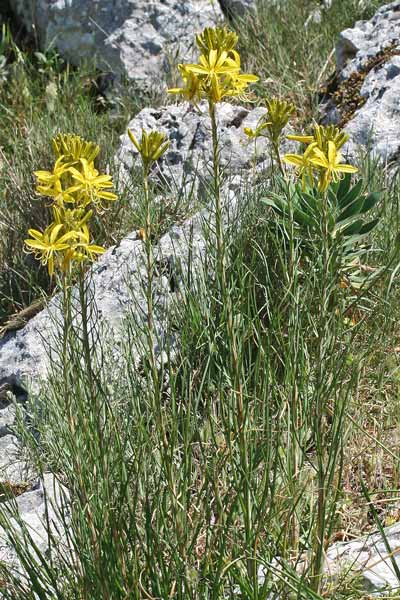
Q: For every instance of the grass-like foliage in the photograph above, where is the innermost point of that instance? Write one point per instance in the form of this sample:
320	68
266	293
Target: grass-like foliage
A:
219	460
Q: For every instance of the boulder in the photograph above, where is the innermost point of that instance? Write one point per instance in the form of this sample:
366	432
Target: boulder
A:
363	96
370	559
36	510
238	8
36	501
139	39
188	158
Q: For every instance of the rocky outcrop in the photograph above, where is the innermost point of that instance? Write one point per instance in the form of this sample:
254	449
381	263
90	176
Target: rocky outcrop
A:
372	560
35	499
364	94
38	508
238	8
139	39
187	160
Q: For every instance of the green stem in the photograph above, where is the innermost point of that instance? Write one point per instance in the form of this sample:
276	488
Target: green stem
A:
275	146
87	349
150	278
321	429
235	359
221	267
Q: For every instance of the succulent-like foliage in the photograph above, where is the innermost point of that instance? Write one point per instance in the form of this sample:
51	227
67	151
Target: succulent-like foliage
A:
346	209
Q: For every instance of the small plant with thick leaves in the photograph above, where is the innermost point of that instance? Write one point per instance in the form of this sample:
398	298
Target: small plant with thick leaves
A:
324	203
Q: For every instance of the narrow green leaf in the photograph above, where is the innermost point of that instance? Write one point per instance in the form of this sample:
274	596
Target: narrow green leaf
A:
354	208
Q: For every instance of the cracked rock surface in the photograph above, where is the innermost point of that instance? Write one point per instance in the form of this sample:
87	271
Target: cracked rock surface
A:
368	558
188	158
139	39
33	496
366	98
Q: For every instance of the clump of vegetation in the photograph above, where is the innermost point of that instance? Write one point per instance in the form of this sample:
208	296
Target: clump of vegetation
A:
224	466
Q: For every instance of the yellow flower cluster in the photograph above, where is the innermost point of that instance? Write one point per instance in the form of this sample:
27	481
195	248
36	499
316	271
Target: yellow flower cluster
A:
322	157
274	121
217	74
75	186
151	147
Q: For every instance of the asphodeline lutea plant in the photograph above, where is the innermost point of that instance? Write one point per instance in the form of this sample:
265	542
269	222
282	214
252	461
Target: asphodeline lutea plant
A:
76	188
322	158
216	75
272	124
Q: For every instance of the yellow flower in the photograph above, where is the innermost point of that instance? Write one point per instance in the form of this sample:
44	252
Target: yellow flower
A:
191	88
237	83
53	183
330	164
90	184
279	113
45	245
257	132
213	65
217	74
323	135
303	164
72	219
72	147
151	147
303	139
218	38
82	250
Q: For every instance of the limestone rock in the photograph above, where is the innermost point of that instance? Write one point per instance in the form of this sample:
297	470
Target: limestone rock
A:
36	508
238	8
135	38
189	155
368	85
368	558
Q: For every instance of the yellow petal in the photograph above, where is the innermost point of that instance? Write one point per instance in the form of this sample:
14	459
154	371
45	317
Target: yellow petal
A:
54	232
346	169
36	244
294	159
304	139
133	140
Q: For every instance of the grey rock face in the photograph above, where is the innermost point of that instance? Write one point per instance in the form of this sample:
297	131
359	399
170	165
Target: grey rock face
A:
368	70
238	8
368	558
37	508
33	496
135	38
189	156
